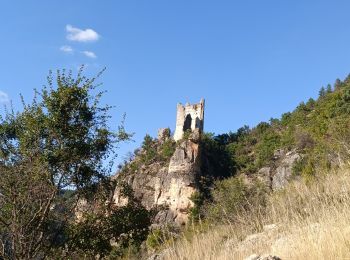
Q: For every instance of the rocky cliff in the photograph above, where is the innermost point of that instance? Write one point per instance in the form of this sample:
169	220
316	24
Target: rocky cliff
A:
165	184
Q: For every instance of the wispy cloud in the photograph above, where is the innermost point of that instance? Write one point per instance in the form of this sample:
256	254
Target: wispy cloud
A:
79	35
4	97
89	54
67	49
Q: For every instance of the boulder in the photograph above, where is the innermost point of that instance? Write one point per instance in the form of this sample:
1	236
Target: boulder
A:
264	176
262	257
283	172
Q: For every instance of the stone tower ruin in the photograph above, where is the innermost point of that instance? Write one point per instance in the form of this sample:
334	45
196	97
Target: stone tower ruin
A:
170	185
189	117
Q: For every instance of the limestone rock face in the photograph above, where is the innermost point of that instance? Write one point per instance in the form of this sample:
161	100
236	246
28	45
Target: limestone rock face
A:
169	186
283	172
185	158
278	175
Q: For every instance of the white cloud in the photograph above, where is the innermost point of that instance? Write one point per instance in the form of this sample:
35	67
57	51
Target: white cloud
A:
79	35
89	54
67	49
4	97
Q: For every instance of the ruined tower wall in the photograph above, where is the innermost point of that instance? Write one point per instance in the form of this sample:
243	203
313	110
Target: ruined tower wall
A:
189	117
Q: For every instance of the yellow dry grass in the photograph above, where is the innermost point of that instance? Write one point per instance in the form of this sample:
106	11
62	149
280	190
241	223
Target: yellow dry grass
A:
301	222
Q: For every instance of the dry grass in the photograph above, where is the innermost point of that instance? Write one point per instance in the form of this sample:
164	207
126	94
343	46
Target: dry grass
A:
301	222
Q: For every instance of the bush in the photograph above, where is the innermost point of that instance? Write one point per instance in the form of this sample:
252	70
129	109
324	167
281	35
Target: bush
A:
186	135
149	150
153	151
270	141
232	197
299	166
198	199
160	237
126	226
167	149
218	159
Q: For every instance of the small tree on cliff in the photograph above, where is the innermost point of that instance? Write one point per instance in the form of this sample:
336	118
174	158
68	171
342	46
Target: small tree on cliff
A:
60	140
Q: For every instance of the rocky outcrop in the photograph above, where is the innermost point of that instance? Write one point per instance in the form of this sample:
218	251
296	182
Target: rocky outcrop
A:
280	172
262	257
252	242
170	186
163	134
283	172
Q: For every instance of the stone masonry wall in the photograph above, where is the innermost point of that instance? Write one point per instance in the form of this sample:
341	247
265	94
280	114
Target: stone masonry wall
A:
189	117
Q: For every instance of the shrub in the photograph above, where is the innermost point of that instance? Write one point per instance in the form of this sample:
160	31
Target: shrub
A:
127	226
270	141
161	236
198	200
299	166
186	135
232	197
219	163
167	149
149	150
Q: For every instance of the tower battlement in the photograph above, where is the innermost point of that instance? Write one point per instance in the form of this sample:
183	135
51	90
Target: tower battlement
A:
189	117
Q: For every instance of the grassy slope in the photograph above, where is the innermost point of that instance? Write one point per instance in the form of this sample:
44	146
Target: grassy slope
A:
311	222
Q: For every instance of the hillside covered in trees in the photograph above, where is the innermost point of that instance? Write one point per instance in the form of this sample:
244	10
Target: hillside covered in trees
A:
318	129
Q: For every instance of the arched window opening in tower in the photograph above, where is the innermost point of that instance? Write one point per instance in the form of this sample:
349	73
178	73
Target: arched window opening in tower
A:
187	123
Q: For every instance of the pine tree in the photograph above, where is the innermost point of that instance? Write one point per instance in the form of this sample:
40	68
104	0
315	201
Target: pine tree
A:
329	89
337	84
322	92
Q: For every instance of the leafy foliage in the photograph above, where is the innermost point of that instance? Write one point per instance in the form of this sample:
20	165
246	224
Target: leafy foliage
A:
60	140
149	150
218	160
233	196
152	151
160	236
126	226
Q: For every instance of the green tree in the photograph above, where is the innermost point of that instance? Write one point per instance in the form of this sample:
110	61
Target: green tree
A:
322	92
338	84
60	140
329	89
149	150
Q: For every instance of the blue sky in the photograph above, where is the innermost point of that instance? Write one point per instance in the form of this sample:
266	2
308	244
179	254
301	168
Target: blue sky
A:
250	60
